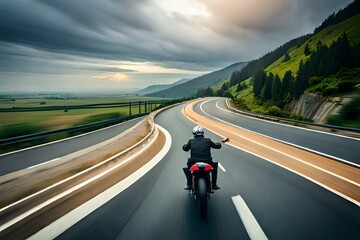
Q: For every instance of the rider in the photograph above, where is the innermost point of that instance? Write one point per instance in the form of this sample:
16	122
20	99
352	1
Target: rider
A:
200	152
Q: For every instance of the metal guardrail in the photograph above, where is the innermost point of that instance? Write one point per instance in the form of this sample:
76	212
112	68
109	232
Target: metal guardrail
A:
147	106
286	120
131	104
29	137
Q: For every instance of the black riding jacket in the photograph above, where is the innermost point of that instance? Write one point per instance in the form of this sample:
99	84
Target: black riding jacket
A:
200	148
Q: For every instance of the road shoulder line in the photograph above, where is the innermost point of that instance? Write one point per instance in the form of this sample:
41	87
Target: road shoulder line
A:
62	224
66	139
343	186
289	143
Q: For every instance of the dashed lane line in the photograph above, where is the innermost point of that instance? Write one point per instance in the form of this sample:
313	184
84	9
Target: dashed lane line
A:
251	225
222	167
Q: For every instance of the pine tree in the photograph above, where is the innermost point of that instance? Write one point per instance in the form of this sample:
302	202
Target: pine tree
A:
307	50
320	63
205	92
287	91
276	91
223	89
286	57
342	52
266	90
240	87
259	80
300	83
234	78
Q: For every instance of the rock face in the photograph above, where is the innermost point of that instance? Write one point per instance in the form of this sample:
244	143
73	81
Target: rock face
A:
313	106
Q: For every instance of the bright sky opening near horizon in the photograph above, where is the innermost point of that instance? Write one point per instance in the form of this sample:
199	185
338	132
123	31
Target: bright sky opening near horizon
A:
124	45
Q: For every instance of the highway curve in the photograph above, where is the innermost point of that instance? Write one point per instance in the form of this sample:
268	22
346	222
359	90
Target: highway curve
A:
336	146
37	155
285	205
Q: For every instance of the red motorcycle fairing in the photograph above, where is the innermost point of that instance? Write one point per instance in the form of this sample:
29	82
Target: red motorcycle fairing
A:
201	166
201	187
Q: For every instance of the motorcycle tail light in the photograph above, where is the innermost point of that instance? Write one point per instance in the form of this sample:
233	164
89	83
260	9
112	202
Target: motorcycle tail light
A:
194	168
208	168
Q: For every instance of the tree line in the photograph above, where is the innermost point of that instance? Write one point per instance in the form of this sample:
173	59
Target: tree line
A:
322	62
253	66
250	69
348	12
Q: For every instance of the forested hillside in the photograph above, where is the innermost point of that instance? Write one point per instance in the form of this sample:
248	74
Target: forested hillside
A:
326	62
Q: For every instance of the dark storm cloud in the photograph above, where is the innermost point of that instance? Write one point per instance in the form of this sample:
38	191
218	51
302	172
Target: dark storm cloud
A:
139	30
92	36
99	13
15	59
87	27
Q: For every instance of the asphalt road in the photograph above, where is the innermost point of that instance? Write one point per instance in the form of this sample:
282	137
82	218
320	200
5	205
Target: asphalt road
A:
330	144
285	205
22	159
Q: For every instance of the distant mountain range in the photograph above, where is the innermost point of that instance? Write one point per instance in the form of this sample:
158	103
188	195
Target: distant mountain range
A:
160	87
190	87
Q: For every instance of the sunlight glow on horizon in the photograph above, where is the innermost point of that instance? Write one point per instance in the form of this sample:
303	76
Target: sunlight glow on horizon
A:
149	67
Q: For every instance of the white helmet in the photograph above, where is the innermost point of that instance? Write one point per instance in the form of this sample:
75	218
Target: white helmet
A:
198	131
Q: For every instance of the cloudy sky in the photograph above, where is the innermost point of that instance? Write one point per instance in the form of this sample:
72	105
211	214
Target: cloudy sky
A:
120	45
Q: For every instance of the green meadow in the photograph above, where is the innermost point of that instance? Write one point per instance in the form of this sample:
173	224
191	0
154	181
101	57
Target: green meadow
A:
15	123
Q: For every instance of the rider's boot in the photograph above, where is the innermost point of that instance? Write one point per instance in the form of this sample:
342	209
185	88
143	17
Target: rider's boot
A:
188	178
215	186
214	176
188	186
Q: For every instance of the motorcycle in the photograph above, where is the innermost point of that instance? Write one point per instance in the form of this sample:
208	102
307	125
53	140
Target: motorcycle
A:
201	187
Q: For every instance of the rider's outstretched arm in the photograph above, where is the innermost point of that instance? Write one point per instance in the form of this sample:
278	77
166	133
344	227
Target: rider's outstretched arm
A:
215	145
187	147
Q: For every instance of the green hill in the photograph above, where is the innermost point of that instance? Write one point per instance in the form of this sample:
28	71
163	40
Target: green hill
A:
327	36
305	77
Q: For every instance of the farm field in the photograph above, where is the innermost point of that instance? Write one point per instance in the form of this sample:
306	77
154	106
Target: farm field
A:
21	102
16	123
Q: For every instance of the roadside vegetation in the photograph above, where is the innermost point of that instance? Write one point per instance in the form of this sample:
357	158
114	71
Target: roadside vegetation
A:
348	114
326	62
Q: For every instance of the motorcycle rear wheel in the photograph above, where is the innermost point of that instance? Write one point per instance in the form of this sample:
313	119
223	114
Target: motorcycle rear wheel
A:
202	194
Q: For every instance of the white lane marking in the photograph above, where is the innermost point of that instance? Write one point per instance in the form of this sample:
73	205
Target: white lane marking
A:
288	143
57	197
222	168
62	224
65	139
76	175
306	177
302	175
252	226
43	163
286	125
288	155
